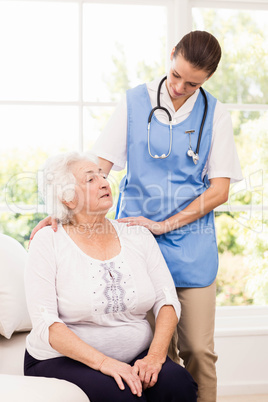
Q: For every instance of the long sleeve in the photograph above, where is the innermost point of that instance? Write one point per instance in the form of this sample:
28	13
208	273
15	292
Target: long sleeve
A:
112	143
40	280
223	159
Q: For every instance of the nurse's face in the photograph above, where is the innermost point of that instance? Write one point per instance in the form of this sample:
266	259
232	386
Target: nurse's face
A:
183	79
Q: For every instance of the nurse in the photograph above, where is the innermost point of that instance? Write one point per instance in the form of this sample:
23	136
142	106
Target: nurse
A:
174	195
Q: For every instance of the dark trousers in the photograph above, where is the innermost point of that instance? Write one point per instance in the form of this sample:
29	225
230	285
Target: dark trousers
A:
174	383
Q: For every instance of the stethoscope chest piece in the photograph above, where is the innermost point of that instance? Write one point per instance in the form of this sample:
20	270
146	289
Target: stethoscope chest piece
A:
193	155
190	152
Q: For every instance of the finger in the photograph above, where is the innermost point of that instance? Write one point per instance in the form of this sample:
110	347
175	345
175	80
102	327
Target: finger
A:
134	385
128	219
35	229
153	381
131	223
54	225
135	370
139	387
119	381
123	220
147	380
40	225
141	374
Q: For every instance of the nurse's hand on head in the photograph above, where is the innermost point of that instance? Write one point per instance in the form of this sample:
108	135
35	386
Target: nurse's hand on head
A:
157	228
48	221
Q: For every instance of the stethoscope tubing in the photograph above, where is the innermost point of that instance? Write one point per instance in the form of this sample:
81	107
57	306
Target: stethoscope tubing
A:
159	107
203	120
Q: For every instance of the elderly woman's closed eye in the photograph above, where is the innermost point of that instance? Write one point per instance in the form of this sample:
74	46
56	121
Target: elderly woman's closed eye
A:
89	287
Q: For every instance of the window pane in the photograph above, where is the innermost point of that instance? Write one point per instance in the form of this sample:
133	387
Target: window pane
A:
19	226
39	50
243	35
250	130
243	260
48	127
122	43
94	121
31	134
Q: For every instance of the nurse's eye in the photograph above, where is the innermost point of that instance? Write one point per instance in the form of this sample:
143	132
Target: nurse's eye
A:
193	85
175	75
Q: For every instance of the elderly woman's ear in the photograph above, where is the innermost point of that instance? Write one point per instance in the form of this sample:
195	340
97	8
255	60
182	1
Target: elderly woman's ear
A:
69	197
74	199
70	204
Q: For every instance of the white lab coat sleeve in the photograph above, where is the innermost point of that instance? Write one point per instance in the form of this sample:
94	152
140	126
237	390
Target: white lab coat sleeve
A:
40	285
160	276
112	143
223	159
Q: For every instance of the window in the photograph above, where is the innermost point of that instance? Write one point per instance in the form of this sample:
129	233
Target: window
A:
65	65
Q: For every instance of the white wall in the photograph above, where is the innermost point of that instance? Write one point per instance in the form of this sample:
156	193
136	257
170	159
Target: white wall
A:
241	342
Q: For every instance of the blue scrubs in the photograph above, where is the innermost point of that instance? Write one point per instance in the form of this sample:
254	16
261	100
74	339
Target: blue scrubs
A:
160	188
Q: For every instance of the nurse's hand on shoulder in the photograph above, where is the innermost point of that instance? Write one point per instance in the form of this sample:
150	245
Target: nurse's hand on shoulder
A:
48	221
157	228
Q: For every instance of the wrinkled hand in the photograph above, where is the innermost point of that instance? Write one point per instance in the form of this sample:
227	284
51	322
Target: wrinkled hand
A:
148	369
44	222
122	371
157	228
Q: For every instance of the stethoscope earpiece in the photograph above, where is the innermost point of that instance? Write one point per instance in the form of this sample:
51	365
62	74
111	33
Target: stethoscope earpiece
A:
163	156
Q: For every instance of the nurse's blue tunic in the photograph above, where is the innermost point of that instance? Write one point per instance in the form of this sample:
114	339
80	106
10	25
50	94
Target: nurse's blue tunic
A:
160	188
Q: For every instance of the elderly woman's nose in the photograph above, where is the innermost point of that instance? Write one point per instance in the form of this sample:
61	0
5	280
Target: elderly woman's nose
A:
103	181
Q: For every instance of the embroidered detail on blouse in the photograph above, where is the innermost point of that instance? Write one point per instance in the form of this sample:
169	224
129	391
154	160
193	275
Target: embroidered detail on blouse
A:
113	291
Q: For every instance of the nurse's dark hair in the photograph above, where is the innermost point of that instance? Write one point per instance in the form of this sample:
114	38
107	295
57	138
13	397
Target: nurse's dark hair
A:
201	49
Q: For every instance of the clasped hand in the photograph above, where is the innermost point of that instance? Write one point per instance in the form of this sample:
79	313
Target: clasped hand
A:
147	369
142	375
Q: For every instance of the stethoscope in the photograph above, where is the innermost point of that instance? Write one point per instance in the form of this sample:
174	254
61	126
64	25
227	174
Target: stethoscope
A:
190	152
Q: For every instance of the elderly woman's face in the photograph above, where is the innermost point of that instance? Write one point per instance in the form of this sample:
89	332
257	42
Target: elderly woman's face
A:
93	193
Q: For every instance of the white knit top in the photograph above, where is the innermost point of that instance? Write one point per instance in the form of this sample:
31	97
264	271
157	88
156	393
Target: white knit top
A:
103	302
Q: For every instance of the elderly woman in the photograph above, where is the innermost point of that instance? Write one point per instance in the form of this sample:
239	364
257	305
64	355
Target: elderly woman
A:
89	286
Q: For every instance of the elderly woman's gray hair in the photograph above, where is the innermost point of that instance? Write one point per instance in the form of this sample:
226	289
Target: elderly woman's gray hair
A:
58	183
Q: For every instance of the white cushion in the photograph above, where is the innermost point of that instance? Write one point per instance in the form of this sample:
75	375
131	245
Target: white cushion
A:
13	310
15	388
12	353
